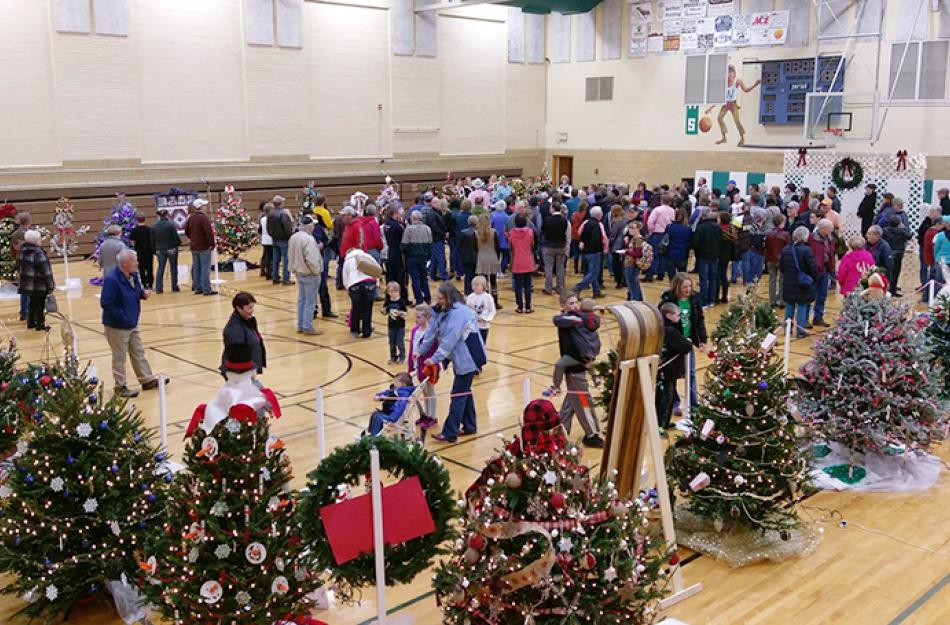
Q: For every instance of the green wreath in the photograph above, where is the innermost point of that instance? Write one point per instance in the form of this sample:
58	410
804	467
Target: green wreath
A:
348	465
847	165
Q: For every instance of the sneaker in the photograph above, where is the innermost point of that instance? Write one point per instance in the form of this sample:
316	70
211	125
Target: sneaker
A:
22	317
311	332
426	423
467	433
551	391
594	441
126	392
809	326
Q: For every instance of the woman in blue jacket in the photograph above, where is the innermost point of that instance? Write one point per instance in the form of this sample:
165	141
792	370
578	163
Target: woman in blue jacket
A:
452	326
678	251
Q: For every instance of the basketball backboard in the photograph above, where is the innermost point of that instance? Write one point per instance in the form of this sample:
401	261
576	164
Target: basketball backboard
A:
835	116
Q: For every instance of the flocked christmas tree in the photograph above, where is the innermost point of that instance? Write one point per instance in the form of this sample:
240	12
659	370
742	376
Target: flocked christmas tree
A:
741	464
235	230
9	265
938	341
229	551
545	543
81	490
122	214
873	386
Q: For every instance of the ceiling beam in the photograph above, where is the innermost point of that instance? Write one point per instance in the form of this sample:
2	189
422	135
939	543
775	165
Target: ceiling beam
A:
448	4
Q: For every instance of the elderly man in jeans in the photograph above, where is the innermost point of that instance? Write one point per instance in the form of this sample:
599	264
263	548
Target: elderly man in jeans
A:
822	246
121	298
304	259
201	242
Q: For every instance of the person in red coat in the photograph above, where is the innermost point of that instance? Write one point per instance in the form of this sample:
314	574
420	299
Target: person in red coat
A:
200	235
822	246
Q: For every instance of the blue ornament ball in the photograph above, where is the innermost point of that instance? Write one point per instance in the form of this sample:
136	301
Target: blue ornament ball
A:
93	588
151	498
58	383
93	381
29	478
93	398
137	437
160	458
763	385
104	425
168	478
17	541
70	460
114	468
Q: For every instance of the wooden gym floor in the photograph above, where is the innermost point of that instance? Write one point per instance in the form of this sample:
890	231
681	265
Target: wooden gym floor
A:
858	576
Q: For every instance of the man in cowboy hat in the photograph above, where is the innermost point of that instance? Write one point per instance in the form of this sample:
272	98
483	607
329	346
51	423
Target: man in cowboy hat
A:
478	186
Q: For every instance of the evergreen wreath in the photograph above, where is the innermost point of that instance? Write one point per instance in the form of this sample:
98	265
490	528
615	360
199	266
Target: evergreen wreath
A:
850	166
346	467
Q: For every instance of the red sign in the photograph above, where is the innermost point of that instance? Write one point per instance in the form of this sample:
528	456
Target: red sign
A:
349	524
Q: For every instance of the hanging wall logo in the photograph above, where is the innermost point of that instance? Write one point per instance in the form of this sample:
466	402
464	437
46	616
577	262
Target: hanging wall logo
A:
692	120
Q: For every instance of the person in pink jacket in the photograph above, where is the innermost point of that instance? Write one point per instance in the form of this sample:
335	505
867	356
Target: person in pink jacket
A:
853	265
521	240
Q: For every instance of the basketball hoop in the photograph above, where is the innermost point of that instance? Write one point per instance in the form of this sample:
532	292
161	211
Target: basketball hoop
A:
837	132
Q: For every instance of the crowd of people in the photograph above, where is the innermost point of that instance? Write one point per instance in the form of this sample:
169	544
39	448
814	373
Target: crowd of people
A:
486	234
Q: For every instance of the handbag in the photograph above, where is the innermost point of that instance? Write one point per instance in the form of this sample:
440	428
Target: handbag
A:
476	349
664	245
804	280
366	263
51	305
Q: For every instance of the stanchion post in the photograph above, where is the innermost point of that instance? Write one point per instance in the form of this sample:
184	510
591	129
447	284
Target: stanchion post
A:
321	428
788	344
687	398
931	286
378	546
162	412
527	391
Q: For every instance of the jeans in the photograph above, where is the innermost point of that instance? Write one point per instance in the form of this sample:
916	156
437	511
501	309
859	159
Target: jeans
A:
821	294
775	284
267	260
800	313
307	287
693	391
36	312
756	265
656	267
468	271
555	263
634	292
461	408
575	254
522	290
591	274
416	267
896	272
324	290
708	270
280	251
671	266
724	278
170	257
504	257
455	263
743	266
201	271
437	269
145	271
484	333
397	343
24	305
377	419
361	314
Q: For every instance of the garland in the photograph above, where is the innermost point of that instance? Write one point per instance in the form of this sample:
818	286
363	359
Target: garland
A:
346	467
847	167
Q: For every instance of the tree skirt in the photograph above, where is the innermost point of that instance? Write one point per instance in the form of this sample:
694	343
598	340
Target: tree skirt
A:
228	265
738	546
837	469
8	291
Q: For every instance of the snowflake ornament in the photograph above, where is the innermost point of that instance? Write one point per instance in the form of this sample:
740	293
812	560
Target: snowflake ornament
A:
52	592
242	598
222	552
5	492
233	426
193	555
56	484
84	430
90	505
219	509
114	526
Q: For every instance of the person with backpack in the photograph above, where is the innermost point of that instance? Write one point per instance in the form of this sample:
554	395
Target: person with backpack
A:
799	275
693	323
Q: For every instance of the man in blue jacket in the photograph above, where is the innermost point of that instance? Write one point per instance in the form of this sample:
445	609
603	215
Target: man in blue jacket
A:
121	297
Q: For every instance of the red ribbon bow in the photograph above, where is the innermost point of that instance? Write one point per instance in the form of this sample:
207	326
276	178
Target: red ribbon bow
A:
802	152
239	412
901	160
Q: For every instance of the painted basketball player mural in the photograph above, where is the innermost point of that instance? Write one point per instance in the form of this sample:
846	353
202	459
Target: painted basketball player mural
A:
733	84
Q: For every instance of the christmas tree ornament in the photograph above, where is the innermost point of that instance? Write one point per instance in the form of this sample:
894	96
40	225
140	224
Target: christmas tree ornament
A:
255	553
513	480
211	592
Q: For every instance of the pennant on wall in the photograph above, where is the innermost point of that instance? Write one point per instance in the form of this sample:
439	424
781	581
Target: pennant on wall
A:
799	23
111	17
515	35
259	22
289	23
610	41
912	19
586	36
534	37
560	38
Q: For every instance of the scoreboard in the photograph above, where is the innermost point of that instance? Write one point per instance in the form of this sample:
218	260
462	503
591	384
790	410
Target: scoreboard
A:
785	83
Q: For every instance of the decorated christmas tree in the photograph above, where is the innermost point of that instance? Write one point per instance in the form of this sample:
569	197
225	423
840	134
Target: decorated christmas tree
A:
741	464
545	543
9	265
82	488
764	317
229	551
309	197
65	238
938	341
122	214
235	230
872	384
9	412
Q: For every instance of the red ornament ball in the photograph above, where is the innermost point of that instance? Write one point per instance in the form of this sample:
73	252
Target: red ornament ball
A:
45	380
558	501
587	561
477	542
674	558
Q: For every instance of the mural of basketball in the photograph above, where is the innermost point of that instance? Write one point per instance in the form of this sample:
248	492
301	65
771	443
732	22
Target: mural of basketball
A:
705	124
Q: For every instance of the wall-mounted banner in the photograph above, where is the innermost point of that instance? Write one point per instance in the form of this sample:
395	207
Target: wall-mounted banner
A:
741	29
671	9
694	8
692	120
722	35
639	32
769	29
720	7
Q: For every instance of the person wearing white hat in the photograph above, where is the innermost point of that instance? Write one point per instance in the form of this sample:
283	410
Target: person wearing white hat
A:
478	190
201	241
